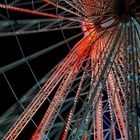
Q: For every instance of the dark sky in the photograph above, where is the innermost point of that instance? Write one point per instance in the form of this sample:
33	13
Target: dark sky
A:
21	78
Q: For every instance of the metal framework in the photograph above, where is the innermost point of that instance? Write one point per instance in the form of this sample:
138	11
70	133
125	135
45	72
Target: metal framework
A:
94	92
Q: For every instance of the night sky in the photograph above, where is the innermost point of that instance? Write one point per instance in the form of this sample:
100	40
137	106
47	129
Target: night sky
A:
21	78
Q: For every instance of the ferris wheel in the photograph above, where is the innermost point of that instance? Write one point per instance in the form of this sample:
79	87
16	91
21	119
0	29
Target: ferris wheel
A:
93	93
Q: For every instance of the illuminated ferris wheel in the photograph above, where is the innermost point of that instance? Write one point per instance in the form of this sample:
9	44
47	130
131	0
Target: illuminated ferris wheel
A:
94	92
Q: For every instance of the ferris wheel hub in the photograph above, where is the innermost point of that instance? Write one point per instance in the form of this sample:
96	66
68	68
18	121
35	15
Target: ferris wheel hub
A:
118	6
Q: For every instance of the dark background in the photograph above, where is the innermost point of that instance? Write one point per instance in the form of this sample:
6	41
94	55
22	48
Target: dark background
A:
21	78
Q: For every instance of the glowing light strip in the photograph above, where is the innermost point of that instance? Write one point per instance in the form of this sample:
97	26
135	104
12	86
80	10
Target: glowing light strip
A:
116	105
4	6
12	8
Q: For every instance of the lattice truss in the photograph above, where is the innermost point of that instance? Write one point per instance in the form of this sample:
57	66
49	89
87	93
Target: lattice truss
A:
94	92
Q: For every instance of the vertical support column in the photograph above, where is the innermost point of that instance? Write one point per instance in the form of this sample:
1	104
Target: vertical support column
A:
133	130
116	103
99	121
